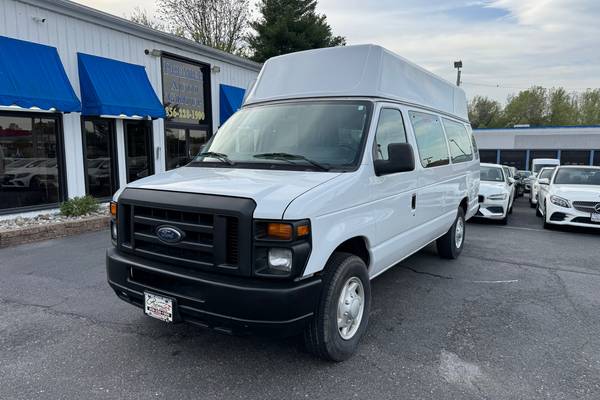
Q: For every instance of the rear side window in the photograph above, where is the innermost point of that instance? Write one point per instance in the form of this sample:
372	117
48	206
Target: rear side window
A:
474	143
390	129
459	141
431	141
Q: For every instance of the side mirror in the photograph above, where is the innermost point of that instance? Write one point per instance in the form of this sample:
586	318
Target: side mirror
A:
544	181
401	159
511	181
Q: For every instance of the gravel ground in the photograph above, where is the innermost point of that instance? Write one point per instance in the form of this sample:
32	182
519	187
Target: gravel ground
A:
46	219
515	317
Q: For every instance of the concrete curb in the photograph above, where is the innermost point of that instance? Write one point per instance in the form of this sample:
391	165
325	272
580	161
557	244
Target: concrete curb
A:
38	233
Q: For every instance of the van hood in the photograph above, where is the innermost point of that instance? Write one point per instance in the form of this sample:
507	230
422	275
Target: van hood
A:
271	190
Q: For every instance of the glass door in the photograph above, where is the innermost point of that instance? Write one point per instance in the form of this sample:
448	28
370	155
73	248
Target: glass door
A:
100	157
183	144
138	149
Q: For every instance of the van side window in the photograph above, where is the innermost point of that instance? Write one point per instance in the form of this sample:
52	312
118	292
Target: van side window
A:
431	141
459	141
390	129
474	142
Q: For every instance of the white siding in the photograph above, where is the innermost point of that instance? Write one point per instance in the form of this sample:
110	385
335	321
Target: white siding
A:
71	35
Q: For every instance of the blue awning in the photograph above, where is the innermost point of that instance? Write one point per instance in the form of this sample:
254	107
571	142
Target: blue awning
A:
230	100
111	87
32	75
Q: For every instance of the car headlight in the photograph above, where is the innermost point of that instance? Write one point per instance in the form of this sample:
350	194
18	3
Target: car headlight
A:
281	248
498	196
559	201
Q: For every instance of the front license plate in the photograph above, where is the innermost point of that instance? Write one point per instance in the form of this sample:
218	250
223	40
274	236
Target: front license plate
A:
158	307
595	217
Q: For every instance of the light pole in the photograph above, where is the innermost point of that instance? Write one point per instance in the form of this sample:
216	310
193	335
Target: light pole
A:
458	66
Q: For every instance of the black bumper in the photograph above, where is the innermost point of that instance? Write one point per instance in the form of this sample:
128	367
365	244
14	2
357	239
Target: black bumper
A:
224	303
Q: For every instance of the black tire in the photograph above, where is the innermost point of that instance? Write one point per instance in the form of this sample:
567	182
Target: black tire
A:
504	220
446	245
511	208
322	337
531	204
538	213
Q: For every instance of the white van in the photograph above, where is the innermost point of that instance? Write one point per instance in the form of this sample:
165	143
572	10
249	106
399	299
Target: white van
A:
341	163
538	163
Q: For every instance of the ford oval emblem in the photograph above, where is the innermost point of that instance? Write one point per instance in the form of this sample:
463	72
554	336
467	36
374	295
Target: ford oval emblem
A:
169	234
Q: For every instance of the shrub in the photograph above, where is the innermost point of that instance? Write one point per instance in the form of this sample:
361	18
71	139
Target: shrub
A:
78	206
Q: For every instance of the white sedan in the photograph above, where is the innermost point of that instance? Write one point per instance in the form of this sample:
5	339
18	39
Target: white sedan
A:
573	197
495	193
545	173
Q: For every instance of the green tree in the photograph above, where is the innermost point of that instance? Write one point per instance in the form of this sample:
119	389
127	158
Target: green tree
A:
485	112
562	108
528	107
286	26
589	107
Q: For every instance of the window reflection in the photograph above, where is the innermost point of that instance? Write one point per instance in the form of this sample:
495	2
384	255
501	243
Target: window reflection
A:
29	174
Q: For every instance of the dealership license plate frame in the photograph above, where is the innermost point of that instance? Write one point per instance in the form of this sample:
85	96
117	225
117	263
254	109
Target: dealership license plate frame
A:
159	307
595	217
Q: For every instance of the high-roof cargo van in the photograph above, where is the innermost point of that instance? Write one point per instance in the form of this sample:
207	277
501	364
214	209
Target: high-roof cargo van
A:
341	163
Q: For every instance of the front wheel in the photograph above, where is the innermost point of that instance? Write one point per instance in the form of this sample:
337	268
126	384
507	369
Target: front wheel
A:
451	244
342	315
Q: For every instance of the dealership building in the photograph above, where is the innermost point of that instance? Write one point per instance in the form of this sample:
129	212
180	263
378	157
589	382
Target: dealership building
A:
573	145
90	101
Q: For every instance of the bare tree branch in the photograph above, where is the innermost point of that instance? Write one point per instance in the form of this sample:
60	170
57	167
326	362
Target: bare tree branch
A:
221	24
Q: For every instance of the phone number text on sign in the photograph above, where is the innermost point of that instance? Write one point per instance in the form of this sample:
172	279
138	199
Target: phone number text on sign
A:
186	113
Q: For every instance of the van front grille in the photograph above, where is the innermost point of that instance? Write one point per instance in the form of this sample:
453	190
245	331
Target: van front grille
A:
211	238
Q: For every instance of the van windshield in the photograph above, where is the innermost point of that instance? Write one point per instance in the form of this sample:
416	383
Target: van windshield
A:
307	135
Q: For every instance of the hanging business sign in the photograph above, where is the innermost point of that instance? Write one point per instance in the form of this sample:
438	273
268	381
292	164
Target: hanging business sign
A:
183	91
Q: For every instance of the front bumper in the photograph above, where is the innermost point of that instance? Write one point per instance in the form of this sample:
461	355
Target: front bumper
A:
492	209
568	216
224	303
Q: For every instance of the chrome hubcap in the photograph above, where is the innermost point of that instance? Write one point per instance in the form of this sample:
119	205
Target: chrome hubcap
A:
460	232
351	306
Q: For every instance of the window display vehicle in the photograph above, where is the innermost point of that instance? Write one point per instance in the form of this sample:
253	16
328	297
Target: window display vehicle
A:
496	194
572	197
341	163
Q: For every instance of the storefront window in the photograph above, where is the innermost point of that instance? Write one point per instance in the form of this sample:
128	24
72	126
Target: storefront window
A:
488	156
575	157
186	96
99	145
29	163
138	142
513	158
597	157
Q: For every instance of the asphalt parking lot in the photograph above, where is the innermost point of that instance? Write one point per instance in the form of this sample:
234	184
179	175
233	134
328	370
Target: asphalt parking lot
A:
516	316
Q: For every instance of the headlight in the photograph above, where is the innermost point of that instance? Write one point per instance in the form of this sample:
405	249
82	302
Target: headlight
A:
113	222
280	259
559	201
498	196
281	248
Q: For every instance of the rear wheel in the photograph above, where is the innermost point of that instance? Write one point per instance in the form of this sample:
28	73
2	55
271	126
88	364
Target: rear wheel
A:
342	315
538	213
451	244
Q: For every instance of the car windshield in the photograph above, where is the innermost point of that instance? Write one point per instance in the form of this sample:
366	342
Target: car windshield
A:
525	174
546	174
577	176
313	135
491	174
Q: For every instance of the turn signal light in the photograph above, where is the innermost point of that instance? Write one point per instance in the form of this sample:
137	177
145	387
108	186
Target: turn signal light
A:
113	209
279	231
302	230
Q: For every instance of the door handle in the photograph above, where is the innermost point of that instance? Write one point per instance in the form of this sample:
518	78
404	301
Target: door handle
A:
413	204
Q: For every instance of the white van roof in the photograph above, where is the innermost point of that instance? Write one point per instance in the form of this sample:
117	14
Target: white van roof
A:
362	70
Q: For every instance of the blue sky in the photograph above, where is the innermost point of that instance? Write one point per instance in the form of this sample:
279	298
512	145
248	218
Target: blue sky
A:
510	43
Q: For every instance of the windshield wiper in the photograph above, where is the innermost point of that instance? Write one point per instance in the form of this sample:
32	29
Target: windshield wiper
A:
219	156
291	157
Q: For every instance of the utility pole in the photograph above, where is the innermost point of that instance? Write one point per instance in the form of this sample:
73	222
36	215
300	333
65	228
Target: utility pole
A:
458	65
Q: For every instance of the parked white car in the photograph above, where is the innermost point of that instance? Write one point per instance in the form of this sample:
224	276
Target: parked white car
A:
510	174
544	173
573	197
302	197
495	193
